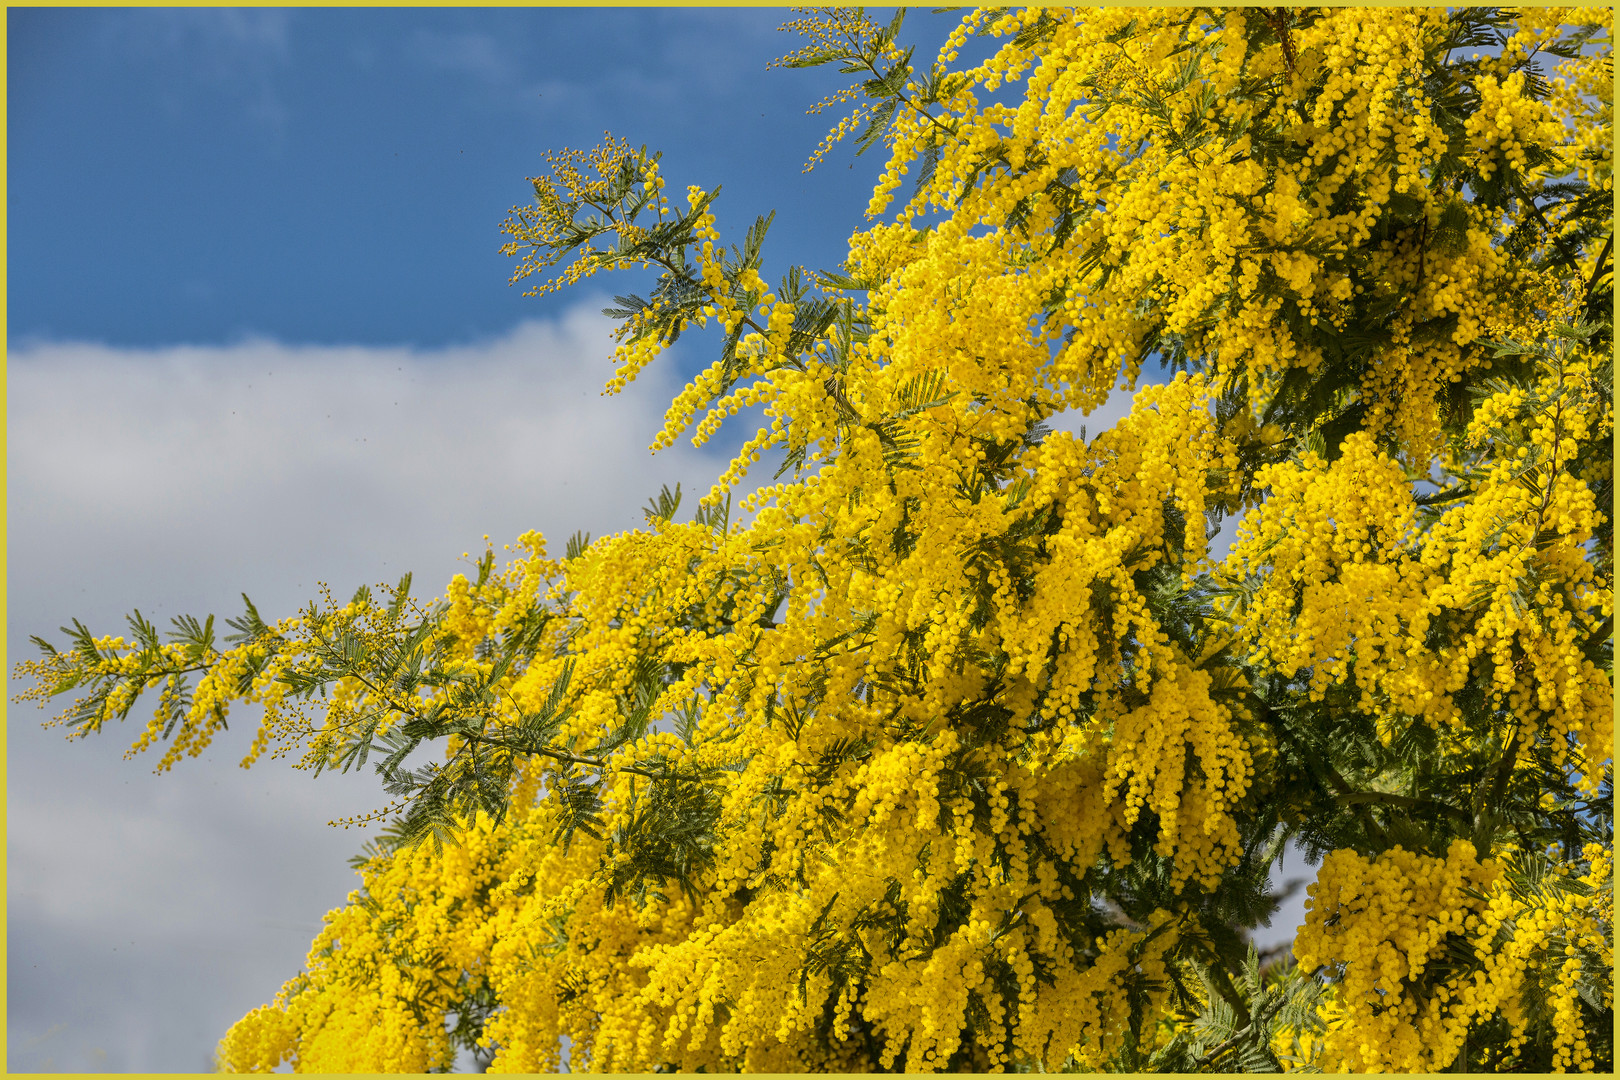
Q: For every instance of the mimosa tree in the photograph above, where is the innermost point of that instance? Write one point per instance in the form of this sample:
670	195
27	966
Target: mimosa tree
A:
955	746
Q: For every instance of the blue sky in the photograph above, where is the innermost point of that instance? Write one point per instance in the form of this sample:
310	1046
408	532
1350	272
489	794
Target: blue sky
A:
259	336
339	176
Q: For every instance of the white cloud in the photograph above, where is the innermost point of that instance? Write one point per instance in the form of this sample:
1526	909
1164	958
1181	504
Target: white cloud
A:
271	465
1098	420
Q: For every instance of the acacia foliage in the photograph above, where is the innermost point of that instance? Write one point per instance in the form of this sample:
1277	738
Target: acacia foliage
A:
956	747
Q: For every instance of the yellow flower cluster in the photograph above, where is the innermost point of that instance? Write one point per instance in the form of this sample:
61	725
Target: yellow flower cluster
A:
1356	587
1385	921
689	982
578	177
1396	926
869	835
384	969
1507	122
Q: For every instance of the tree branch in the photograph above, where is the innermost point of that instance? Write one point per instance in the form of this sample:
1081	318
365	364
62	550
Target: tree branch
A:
1597	269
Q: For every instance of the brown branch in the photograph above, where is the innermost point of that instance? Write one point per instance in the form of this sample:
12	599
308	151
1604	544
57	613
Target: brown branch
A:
1529	200
1278	20
1597	270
